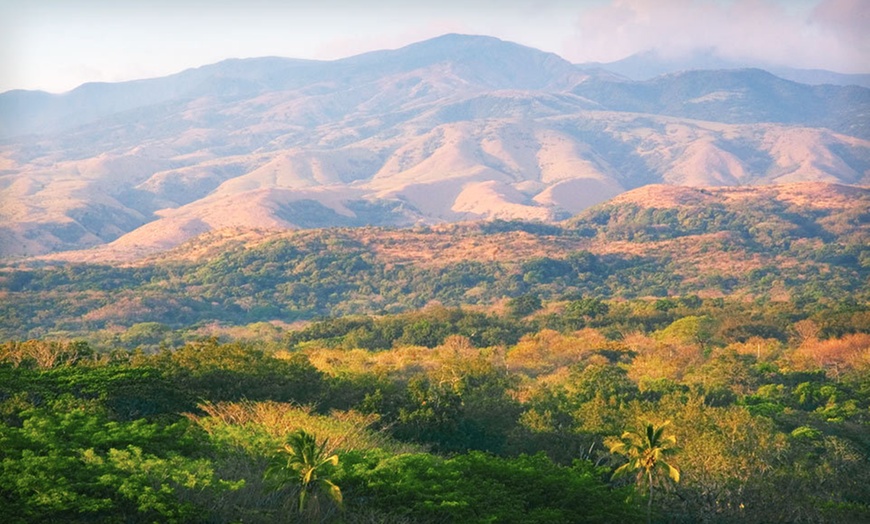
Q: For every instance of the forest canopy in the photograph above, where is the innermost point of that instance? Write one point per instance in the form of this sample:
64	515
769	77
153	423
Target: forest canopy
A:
453	415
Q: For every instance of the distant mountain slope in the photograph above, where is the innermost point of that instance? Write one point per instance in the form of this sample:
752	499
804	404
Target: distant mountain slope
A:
476	61
650	64
453	128
738	96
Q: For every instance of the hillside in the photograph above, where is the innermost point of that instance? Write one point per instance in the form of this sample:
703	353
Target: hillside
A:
452	129
795	242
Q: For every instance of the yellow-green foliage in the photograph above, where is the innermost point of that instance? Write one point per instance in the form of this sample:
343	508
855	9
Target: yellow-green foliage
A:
401	362
549	350
260	427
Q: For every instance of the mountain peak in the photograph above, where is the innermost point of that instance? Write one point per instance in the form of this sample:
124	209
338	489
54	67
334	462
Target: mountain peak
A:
460	39
484	60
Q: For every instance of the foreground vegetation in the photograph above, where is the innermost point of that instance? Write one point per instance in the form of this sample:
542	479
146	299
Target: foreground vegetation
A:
454	415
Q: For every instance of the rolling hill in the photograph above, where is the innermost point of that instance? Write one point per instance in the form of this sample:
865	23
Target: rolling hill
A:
795	242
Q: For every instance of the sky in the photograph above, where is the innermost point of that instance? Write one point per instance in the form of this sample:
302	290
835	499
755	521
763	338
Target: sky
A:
56	45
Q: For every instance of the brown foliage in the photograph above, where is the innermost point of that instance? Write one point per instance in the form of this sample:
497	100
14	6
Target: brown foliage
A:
548	350
661	360
835	356
44	354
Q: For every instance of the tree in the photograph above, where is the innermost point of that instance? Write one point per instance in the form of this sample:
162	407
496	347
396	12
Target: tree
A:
77	465
480	488
463	404
579	313
524	305
310	466
645	451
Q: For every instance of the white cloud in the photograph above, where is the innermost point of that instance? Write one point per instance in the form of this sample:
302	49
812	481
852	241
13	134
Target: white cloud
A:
830	34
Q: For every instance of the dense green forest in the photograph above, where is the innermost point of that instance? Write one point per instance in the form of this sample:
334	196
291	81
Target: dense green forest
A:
701	362
454	415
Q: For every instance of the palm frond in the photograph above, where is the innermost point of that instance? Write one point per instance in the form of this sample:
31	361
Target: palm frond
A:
645	450
623	470
673	472
311	463
334	492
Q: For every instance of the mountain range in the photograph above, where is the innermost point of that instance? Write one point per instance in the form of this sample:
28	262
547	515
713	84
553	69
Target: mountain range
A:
450	129
649	64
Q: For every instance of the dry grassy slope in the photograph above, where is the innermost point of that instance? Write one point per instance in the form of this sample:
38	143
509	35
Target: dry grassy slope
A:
808	194
462	171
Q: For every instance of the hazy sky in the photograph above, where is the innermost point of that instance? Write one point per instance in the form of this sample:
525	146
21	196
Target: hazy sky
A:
56	45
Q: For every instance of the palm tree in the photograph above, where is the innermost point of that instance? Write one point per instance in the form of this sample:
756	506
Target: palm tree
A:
310	465
645	451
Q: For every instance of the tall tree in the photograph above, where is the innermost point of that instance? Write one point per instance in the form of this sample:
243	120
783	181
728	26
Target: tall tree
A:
646	450
309	465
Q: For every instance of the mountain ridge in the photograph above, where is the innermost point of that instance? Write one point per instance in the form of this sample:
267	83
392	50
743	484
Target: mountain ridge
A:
650	64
